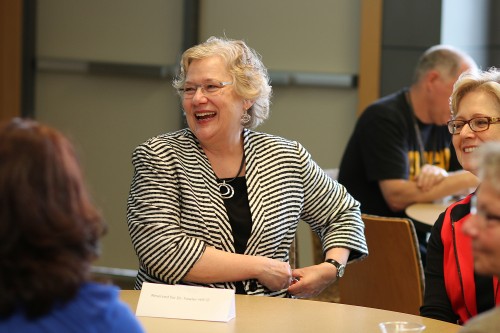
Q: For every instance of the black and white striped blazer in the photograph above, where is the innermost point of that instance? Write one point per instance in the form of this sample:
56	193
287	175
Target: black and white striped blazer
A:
175	208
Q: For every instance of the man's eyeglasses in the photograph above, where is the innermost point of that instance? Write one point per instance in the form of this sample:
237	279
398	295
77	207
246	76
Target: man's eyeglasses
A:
477	124
484	219
208	89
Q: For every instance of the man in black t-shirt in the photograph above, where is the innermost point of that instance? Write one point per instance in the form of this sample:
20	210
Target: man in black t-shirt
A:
384	146
400	152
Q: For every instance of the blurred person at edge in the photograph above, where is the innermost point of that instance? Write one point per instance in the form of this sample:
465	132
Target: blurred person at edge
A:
454	292
49	233
483	227
217	204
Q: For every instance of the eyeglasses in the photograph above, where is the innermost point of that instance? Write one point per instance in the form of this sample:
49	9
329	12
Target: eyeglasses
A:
483	218
477	124
208	89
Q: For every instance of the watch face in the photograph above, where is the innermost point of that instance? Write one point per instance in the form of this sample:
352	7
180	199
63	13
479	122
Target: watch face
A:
340	272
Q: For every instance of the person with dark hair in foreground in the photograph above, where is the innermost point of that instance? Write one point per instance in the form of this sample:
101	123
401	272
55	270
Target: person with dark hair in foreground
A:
49	233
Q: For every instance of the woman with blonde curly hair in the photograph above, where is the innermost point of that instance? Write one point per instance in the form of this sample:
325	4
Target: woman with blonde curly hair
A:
217	204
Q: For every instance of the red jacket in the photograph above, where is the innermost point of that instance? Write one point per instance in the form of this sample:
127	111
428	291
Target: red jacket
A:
458	264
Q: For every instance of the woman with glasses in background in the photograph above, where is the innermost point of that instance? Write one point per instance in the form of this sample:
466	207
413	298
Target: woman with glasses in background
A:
217	204
454	292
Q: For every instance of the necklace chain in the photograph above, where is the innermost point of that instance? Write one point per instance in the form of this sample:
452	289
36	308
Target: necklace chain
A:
226	190
417	129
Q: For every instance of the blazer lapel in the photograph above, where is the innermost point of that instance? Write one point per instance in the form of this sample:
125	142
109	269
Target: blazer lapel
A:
257	195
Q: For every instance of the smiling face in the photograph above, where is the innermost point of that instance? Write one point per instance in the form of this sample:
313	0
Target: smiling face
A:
484	230
214	119
475	104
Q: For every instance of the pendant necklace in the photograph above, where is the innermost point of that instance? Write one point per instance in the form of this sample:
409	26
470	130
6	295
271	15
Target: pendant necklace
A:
226	190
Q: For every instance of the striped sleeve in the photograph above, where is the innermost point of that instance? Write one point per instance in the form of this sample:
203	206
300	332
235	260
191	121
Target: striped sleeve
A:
165	252
330	210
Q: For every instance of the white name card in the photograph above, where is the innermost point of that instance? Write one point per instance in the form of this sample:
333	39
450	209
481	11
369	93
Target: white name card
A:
186	302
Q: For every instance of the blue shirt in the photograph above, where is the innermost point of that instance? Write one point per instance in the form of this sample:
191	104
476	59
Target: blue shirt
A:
95	309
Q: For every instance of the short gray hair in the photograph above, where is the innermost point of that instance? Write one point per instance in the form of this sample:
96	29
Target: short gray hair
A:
250	77
444	58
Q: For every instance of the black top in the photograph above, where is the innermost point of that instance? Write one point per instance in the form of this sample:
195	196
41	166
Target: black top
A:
384	146
238	211
437	304
484	293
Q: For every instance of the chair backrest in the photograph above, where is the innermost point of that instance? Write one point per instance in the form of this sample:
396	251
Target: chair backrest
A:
391	277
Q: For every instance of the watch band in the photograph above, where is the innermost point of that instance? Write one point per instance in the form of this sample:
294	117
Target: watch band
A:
340	267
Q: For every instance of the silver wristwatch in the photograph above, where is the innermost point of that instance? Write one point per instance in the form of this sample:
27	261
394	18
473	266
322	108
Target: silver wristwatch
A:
340	267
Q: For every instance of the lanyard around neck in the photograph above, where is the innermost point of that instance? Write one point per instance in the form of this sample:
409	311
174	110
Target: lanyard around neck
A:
417	128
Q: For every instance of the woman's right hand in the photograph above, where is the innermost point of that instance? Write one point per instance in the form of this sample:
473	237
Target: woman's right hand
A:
274	274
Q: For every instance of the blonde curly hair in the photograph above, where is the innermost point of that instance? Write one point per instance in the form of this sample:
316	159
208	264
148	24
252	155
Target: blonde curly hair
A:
250	77
486	81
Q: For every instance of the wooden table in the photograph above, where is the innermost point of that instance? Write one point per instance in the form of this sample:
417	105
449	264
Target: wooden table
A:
269	314
425	214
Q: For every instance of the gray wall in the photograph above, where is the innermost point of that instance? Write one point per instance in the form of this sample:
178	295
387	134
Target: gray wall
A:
108	115
410	27
405	35
493	35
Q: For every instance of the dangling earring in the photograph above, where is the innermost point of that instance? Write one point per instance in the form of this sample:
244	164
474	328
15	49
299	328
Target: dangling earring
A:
245	118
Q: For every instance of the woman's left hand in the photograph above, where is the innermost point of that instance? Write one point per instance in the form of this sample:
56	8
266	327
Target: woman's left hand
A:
311	281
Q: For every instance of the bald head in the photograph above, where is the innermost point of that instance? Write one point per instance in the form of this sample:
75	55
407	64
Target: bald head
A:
437	70
446	59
